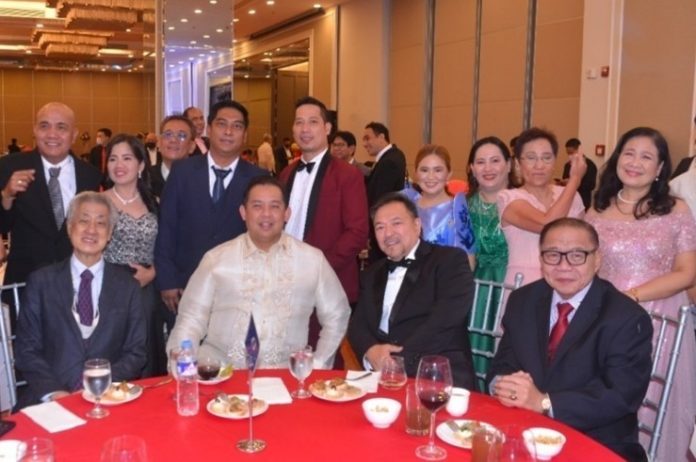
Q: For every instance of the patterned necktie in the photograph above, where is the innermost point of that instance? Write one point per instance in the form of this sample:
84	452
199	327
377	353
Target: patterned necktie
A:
219	185
305	165
559	329
84	299
56	196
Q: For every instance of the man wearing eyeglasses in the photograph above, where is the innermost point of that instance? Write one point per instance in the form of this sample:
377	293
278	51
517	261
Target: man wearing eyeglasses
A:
574	347
200	203
175	143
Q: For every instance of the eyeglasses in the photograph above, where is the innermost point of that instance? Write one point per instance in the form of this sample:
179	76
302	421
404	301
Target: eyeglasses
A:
573	257
181	136
546	159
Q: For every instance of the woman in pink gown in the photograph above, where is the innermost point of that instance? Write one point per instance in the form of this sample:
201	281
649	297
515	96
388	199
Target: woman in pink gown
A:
525	210
648	247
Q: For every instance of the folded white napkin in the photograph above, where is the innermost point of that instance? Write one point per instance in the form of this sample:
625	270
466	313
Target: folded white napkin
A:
272	390
53	417
369	384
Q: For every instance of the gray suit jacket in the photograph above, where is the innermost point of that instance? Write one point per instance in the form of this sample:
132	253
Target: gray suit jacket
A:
50	351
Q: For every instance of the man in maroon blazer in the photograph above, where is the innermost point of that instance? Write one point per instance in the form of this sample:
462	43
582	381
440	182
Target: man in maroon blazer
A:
327	197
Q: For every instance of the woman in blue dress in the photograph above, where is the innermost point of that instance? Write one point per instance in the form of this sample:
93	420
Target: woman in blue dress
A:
445	218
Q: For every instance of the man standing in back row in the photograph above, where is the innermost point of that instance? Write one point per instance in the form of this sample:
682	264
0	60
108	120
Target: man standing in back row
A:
199	208
388	172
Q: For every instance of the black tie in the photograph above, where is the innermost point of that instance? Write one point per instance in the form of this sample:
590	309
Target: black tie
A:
219	185
404	262
305	165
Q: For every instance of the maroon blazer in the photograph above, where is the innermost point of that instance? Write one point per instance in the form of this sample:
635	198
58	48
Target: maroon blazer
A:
337	221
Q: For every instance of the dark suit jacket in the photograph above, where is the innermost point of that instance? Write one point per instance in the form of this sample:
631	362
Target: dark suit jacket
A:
337	222
682	166
430	312
30	222
190	223
197	151
387	175
588	182
50	350
95	159
157	181
281	158
601	370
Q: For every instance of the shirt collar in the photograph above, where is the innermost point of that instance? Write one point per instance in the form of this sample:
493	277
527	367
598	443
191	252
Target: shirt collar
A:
381	153
317	160
61	164
77	267
232	166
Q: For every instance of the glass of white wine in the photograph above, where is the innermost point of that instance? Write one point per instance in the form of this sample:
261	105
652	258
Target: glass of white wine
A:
96	379
301	365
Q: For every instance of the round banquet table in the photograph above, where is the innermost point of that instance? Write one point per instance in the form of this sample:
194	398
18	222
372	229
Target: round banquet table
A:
307	430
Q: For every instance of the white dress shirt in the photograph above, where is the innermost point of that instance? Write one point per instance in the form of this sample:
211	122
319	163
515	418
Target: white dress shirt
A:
66	178
575	300
394	281
97	270
299	198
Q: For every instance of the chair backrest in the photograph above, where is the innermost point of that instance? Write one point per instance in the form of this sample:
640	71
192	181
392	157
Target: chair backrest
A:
667	341
8	382
487	313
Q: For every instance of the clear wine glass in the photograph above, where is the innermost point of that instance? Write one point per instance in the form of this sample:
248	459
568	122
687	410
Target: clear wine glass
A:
96	379
433	385
301	364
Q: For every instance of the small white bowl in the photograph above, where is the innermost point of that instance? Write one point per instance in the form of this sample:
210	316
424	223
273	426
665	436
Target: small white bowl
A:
458	403
381	412
545	442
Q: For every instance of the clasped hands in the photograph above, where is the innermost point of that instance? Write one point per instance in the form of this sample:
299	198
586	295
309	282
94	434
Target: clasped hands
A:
518	390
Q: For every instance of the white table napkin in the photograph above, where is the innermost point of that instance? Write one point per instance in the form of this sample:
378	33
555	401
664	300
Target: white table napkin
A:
272	390
53	417
369	384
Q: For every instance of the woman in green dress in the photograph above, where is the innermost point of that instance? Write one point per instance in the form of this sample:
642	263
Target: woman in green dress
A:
489	173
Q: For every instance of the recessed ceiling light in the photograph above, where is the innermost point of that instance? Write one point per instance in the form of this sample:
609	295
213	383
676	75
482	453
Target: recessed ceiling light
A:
171	65
198	11
128	30
39	25
252	11
171	28
193	42
206	36
246	76
201	54
268	76
213	2
270	2
235	20
212	52
103	70
219	31
316	5
183	20
28	52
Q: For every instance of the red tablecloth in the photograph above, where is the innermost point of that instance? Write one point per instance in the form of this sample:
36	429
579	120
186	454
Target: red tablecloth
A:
310	429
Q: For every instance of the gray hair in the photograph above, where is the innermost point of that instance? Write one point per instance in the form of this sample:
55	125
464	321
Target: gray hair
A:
95	198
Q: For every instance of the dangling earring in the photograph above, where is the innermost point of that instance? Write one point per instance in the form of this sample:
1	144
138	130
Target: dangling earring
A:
140	175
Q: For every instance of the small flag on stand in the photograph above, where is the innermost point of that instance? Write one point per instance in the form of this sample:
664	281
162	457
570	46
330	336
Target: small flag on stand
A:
251	343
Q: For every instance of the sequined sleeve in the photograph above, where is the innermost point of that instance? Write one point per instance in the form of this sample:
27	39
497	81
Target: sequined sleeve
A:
686	239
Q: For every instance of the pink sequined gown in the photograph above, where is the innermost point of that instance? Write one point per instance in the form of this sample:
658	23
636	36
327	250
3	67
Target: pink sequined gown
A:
634	252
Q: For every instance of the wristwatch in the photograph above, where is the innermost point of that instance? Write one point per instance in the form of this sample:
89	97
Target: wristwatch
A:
546	405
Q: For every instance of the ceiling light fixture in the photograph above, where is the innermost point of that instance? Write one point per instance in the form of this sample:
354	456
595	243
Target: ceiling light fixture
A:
183	20
270	2
198	11
213	2
171	28
219	31
235	20
206	36
316	5
252	11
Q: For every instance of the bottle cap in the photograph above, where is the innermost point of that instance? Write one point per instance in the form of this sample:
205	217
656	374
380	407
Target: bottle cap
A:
187	344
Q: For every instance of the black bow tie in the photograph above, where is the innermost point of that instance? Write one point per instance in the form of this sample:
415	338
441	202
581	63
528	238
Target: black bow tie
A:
305	165
404	262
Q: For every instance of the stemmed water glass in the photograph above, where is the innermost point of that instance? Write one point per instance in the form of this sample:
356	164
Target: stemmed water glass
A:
433	385
301	364
96	379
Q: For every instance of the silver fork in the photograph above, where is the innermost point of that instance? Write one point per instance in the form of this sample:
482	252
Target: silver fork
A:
360	377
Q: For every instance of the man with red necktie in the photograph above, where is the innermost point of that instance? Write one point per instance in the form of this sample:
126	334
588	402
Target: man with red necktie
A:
574	347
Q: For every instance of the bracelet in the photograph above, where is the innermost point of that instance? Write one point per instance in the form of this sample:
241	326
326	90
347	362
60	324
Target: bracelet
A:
634	294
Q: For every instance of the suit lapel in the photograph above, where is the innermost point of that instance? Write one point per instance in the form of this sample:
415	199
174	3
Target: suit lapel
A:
41	194
65	298
379	285
237	184
291	176
316	189
543	312
410	279
585	316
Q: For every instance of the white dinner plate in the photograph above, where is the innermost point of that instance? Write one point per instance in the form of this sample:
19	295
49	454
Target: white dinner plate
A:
463	439
236	416
133	394
342	399
8	450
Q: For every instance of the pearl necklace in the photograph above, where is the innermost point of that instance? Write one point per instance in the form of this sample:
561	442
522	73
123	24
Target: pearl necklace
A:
125	201
626	201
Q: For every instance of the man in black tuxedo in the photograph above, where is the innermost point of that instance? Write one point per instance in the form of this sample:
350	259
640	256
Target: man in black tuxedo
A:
33	203
202	143
416	301
574	347
80	308
97	156
282	155
388	172
589	180
175	142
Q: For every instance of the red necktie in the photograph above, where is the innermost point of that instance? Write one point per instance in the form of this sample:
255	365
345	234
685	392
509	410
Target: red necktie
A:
559	329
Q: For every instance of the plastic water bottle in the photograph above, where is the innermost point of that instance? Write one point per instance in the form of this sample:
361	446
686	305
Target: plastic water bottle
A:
187	400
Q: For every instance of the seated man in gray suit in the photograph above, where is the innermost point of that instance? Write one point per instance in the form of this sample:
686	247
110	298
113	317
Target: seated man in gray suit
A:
78	309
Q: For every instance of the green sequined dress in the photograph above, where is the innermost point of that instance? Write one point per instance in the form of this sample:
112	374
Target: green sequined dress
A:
491	262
